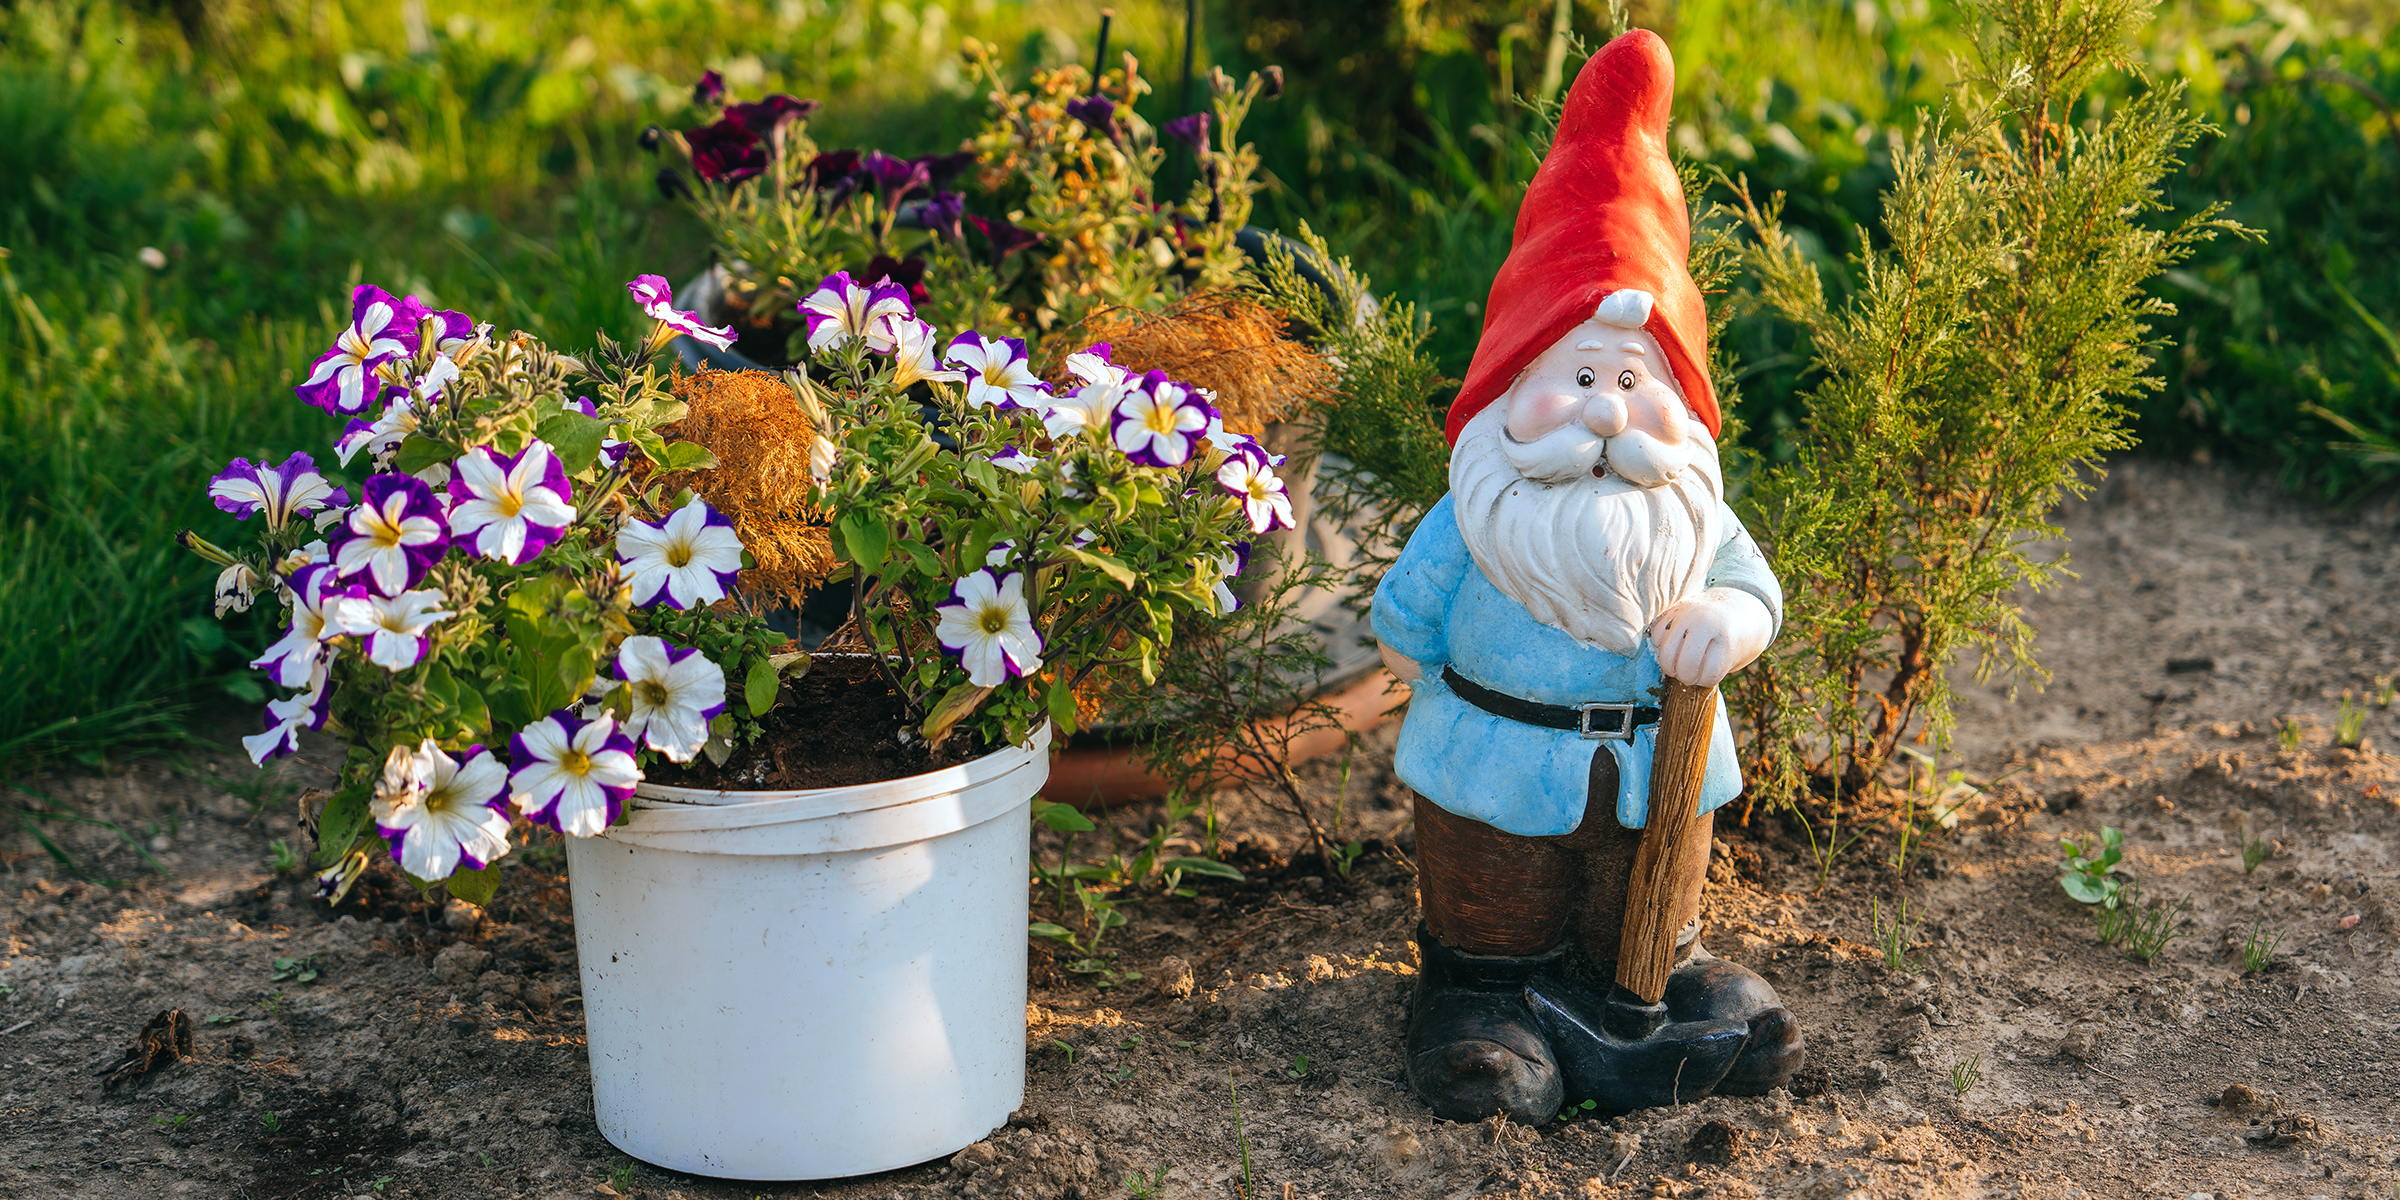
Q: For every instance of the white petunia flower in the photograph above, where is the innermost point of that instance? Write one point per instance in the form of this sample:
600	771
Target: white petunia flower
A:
285	719
999	371
237	585
690	558
440	814
394	626
989	627
291	660
511	508
913	358
572	775
1263	499
674	692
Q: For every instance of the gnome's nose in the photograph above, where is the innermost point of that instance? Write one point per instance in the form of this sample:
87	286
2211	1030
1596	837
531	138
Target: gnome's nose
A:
1604	414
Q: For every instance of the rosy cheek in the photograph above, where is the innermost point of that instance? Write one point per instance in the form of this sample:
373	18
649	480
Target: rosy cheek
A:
1534	411
1659	413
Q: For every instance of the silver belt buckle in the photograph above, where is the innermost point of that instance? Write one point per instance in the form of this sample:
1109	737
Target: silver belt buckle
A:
1622	733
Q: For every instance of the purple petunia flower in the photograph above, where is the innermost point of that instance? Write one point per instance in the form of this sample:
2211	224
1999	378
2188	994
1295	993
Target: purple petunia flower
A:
1230	565
943	214
841	310
768	117
710	91
940	169
690	558
832	167
280	493
391	628
1009	458
726	152
285	719
672	694
894	177
658	303
293	659
1005	239
1159	423
1097	112
1263	498
512	506
382	330
1191	131
454	331
572	775
442	814
394	536
907	272
999	371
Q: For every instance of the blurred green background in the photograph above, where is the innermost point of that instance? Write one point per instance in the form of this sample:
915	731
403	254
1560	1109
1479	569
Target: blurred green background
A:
483	156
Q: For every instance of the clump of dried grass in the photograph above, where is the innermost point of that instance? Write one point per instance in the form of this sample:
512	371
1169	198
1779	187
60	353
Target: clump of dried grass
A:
750	421
1226	342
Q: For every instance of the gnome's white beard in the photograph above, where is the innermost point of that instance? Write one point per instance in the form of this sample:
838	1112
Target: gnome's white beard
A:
1598	557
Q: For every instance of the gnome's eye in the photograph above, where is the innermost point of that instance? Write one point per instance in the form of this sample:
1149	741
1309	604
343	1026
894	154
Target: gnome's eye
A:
1584	378
1625	380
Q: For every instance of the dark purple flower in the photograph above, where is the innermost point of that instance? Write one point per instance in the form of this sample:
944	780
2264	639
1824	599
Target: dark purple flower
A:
943	213
894	177
726	152
940	169
710	90
1098	113
908	273
651	137
671	186
1006	239
1191	131
832	167
764	117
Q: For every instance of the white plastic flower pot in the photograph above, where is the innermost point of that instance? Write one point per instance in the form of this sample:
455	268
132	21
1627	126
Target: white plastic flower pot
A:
809	984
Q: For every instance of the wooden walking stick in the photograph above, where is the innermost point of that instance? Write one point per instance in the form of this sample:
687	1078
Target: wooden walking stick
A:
1645	952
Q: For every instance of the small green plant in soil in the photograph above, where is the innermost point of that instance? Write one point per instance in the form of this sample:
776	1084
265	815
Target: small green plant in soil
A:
272	1121
1894	937
2385	690
1142	1187
1087	891
2258	950
2255	850
1241	1137
2350	723
297	970
2287	733
1964	1076
1299	1067
2115	921
2089	872
2154	926
1575	1110
281	858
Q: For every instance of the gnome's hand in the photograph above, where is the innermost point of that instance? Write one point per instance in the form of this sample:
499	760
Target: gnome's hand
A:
1402	667
1710	636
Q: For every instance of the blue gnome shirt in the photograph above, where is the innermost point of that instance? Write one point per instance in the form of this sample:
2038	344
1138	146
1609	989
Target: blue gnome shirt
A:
1436	606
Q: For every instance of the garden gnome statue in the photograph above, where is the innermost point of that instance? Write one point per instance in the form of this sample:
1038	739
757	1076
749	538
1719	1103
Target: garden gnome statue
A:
1583	572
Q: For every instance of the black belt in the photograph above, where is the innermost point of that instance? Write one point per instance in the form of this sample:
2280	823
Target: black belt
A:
1600	722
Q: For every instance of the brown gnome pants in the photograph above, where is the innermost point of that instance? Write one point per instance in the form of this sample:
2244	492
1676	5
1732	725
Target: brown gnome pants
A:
1493	893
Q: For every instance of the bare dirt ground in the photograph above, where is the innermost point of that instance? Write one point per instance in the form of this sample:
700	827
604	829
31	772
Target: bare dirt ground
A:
438	1055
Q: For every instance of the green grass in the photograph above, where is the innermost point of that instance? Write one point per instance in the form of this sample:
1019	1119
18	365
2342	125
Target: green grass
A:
482	155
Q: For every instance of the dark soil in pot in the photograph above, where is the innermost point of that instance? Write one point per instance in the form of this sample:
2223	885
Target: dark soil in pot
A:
836	726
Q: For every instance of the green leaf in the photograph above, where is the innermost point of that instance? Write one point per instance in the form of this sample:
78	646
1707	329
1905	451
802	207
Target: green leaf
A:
2084	888
956	705
689	456
1113	568
1062	704
420	452
574	437
867	539
1045	929
760	686
339	824
926	560
1203	866
474	887
1061	818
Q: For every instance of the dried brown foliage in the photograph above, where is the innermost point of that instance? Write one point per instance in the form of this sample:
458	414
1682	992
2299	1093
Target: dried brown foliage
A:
1225	342
750	421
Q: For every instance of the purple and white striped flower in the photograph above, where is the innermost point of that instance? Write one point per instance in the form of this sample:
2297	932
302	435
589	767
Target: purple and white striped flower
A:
1263	499
1242	445
285	719
293	659
1229	566
913	352
988	625
381	437
1009	458
1158	424
510	507
237	586
571	774
393	626
999	372
394	536
674	693
455	331
841	311
441	814
382	329
658	303
279	493
690	558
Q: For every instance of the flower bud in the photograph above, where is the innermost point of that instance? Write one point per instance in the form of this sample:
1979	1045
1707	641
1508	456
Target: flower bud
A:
651	137
1271	80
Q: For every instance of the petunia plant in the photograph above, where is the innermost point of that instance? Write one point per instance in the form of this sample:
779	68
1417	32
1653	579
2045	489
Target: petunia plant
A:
514	618
1027	535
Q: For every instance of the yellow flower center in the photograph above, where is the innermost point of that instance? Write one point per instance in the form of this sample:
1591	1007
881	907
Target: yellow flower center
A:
575	762
1161	419
384	527
651	693
679	555
993	619
509	504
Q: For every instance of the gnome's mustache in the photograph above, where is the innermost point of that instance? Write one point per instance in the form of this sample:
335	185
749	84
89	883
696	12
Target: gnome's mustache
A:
1573	452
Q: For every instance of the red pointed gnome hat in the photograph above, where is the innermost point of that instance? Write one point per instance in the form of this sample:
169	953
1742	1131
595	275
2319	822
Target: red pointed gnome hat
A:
1604	213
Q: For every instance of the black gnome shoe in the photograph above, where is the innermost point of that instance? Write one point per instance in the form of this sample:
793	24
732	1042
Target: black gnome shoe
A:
1473	1049
1718	1028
